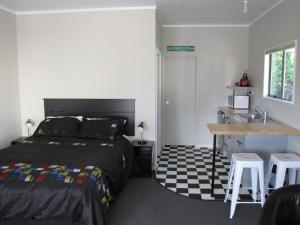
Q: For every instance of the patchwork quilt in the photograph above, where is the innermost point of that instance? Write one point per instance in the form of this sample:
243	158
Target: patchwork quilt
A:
62	179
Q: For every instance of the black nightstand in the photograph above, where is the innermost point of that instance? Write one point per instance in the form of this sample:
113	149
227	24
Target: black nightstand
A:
19	140
143	158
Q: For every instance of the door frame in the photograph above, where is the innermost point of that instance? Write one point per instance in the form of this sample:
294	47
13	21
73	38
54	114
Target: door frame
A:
196	100
158	104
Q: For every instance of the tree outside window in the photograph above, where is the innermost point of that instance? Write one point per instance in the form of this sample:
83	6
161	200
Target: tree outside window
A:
280	69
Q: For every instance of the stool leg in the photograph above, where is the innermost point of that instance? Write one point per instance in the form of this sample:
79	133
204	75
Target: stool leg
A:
280	176
292	176
261	184
254	176
231	171
235	190
269	175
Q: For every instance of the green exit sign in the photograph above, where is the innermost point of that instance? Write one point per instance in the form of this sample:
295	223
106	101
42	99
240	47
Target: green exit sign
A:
181	48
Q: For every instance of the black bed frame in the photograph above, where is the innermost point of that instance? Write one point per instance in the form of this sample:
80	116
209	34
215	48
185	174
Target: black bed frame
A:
94	108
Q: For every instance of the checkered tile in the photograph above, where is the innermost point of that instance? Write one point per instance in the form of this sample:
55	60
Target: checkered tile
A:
187	171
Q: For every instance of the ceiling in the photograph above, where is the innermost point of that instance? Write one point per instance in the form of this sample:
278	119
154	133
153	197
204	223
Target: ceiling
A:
211	11
171	12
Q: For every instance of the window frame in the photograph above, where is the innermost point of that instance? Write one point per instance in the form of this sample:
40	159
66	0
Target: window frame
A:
268	71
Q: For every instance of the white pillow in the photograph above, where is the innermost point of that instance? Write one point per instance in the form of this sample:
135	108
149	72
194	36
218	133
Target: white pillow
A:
76	117
103	118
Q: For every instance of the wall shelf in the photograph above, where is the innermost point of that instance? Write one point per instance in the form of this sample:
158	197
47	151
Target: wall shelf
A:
239	88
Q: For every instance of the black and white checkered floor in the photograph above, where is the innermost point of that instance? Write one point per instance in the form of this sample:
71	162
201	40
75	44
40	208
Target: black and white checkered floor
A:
187	171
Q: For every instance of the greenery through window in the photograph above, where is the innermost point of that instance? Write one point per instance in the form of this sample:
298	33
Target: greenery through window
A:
280	69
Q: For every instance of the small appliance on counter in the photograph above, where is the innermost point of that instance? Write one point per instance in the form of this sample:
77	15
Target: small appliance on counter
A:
239	101
240	97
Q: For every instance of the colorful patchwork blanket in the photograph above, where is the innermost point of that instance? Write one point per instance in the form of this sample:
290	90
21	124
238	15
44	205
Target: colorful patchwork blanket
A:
23	172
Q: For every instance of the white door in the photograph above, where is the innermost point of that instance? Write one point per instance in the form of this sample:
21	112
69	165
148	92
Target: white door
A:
179	101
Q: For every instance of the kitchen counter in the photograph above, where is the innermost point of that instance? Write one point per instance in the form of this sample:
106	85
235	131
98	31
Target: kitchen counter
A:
238	135
240	128
261	129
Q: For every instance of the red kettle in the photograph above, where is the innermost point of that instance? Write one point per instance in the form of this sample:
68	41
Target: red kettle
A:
244	82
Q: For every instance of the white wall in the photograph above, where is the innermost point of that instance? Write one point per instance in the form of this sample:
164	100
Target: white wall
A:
222	57
10	127
88	55
277	27
158	31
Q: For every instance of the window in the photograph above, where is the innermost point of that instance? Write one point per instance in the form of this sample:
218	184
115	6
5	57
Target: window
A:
280	72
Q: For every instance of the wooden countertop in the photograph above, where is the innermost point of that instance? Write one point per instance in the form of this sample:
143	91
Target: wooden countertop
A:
243	129
239	128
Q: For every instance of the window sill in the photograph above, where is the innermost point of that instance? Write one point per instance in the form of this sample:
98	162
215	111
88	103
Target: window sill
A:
279	100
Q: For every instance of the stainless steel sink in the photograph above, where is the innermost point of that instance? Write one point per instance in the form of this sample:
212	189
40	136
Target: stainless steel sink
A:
252	118
249	116
259	121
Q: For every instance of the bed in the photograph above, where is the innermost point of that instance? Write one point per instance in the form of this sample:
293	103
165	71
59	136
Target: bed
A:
67	177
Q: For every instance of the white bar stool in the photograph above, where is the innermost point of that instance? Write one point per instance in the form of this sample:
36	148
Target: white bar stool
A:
283	161
240	161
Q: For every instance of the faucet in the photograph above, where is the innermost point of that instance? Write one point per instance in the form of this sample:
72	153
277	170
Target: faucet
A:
262	113
258	110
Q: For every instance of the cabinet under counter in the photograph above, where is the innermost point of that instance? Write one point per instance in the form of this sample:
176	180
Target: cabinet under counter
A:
263	139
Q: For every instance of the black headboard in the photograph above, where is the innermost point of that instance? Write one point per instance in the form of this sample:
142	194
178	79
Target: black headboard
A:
94	108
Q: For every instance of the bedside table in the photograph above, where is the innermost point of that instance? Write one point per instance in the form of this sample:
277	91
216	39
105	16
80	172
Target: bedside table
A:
143	158
19	140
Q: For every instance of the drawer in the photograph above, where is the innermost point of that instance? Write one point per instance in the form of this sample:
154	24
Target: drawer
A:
229	140
143	151
144	161
239	143
144	158
143	167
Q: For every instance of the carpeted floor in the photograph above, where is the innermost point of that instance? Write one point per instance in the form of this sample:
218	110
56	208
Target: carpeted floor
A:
145	202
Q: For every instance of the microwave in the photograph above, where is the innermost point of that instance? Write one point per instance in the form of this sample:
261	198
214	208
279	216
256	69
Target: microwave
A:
239	101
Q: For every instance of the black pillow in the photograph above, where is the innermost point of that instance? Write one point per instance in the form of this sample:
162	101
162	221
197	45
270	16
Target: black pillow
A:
58	127
121	122
100	128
